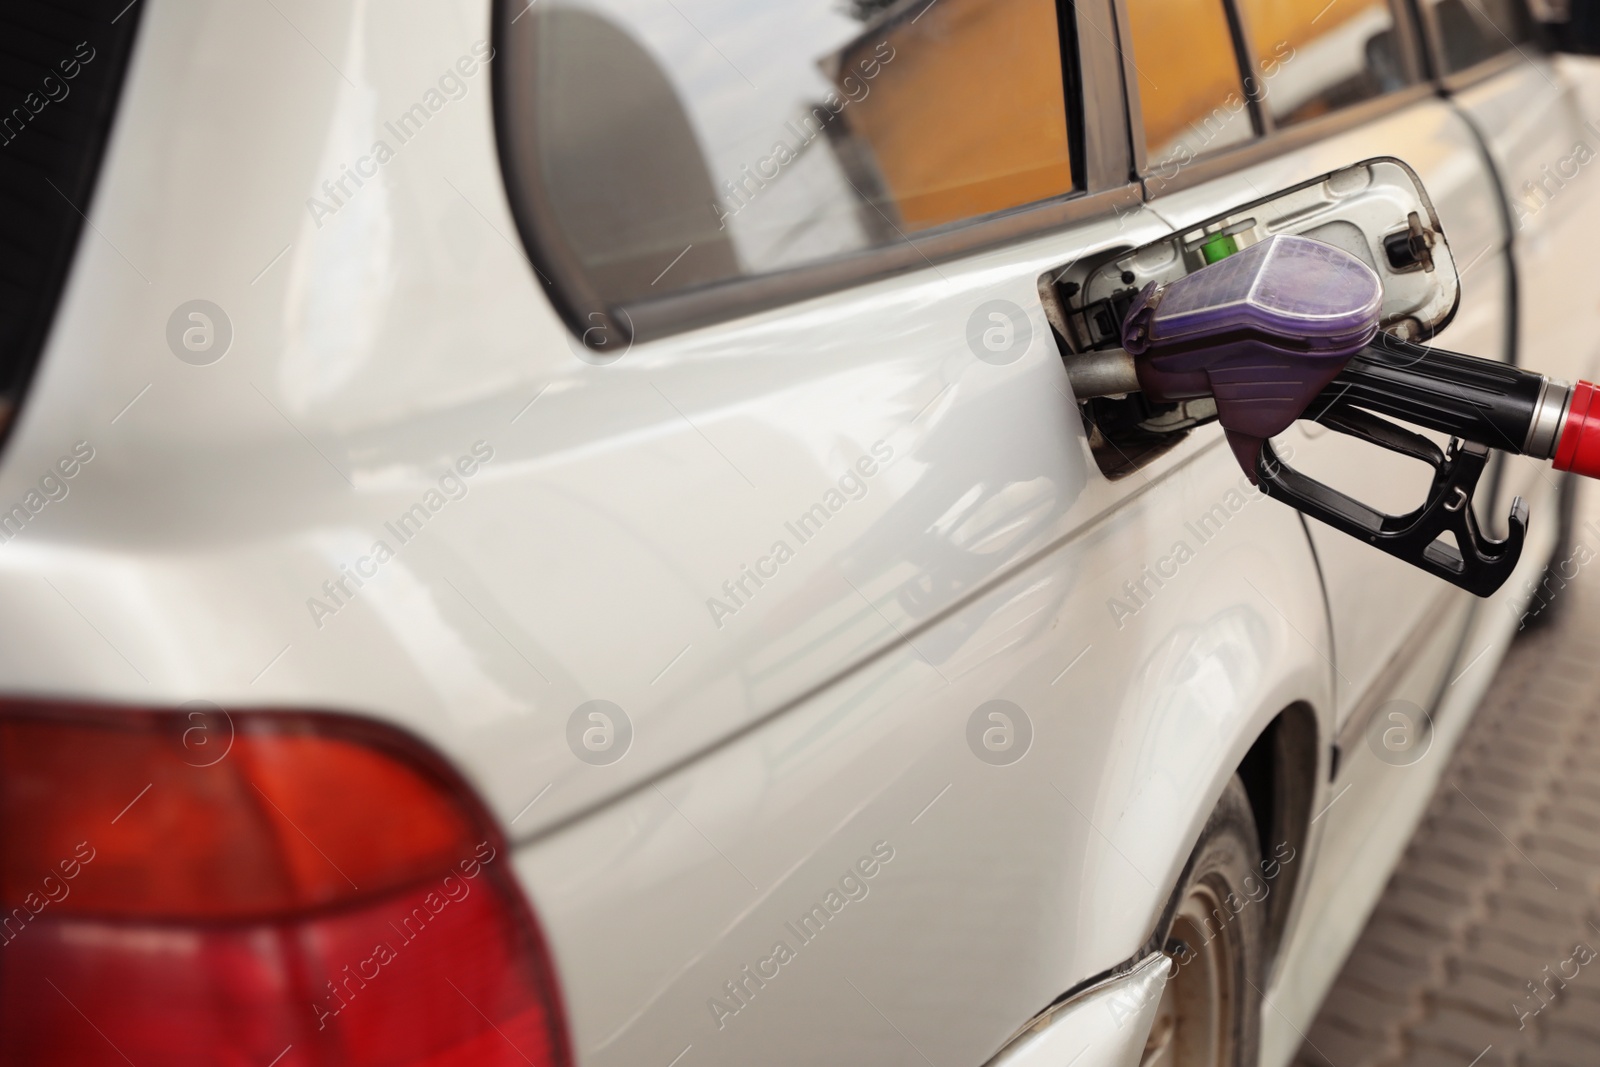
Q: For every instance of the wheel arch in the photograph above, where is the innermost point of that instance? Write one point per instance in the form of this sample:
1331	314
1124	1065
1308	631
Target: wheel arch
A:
1279	773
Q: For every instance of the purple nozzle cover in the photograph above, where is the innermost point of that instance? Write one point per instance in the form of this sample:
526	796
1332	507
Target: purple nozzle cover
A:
1263	331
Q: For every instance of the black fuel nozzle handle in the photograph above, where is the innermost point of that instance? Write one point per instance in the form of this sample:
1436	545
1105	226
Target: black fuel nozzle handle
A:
1493	404
1468	558
1289	329
1482	404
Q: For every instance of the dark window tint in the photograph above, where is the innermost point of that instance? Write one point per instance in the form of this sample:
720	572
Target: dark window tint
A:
1191	94
686	142
61	67
1308	59
1471	31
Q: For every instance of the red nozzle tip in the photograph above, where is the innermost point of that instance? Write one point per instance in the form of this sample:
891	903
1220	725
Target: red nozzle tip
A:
1578	450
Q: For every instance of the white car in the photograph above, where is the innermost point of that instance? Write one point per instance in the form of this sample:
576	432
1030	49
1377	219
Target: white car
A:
558	532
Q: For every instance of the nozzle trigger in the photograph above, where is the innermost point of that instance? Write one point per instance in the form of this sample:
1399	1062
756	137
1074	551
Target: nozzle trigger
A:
1476	563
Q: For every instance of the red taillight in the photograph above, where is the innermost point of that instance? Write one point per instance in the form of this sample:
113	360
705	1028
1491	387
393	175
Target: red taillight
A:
255	888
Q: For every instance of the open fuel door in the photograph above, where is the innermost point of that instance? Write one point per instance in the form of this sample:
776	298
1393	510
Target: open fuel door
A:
1315	303
1378	216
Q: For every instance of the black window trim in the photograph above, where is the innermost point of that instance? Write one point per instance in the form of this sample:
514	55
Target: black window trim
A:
1484	69
1229	160
1260	119
1527	51
75	159
1102	166
1131	108
1278	142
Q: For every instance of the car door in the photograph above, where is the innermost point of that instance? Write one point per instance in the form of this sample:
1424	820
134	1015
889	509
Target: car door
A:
1535	115
744	600
1313	91
807	441
1327	92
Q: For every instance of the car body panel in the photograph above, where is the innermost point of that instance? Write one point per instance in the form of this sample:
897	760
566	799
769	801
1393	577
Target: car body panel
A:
1536	118
400	336
1061	860
1399	635
1370	814
617	500
1364	586
1099	1027
1532	121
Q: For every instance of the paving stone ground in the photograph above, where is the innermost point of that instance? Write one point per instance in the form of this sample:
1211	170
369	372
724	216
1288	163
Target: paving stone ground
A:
1483	949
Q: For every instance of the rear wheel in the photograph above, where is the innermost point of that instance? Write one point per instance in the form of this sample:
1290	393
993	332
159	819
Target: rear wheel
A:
1210	1011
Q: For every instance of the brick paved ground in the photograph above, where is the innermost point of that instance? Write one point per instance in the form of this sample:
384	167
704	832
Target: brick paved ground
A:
1470	929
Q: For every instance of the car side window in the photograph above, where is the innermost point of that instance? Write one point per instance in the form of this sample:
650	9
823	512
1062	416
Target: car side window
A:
1471	31
1191	92
1310	59
687	142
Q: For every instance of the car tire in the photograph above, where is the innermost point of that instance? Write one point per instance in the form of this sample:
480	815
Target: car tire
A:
1214	933
1548	605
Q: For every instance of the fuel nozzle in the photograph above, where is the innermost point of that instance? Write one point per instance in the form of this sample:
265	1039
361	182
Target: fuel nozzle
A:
1288	329
1262	331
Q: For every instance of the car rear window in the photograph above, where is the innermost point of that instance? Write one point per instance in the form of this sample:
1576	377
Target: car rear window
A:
683	143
